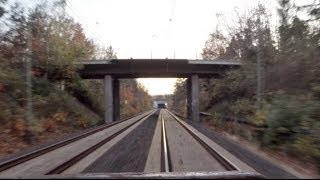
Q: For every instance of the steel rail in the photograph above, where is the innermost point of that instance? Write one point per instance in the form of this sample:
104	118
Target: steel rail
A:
165	146
158	175
64	166
224	161
36	153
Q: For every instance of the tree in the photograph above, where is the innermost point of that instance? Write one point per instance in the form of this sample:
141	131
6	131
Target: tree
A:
105	53
252	38
180	96
57	43
312	9
215	47
2	9
110	54
134	98
67	46
13	41
290	80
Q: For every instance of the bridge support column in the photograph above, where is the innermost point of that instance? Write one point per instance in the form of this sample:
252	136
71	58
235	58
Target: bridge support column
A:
193	98
189	97
108	99
116	99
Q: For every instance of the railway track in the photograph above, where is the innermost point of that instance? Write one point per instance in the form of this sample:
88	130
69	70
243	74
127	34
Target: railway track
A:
177	151
184	149
56	158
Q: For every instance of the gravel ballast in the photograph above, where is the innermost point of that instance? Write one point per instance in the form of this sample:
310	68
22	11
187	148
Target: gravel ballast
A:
260	164
130	153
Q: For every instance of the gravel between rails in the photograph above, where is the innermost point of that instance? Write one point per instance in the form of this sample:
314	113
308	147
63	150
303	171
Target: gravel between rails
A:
261	165
129	154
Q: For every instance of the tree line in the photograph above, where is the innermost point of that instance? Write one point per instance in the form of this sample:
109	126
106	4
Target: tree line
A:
55	42
277	86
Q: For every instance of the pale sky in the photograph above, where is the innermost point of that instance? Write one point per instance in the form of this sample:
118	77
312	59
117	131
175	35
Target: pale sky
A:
155	28
163	28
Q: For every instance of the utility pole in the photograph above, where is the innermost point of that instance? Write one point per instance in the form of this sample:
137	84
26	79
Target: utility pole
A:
259	74
152	38
28	114
48	50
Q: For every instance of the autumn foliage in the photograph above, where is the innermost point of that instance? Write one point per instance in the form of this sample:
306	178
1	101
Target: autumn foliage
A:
284	114
62	102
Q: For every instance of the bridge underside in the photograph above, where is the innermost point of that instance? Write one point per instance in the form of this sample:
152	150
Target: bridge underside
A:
112	70
142	68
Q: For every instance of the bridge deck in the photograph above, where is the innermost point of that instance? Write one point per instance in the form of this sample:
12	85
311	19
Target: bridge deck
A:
137	68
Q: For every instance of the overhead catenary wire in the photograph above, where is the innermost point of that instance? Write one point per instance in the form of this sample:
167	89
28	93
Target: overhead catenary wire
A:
95	33
172	21
172	10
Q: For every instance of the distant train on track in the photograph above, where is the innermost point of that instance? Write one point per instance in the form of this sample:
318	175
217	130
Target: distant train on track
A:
160	104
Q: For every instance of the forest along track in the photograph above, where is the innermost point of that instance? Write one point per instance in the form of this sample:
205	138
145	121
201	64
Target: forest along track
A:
60	156
184	149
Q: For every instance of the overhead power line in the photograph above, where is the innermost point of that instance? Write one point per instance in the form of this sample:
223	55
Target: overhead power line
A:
172	11
172	20
95	33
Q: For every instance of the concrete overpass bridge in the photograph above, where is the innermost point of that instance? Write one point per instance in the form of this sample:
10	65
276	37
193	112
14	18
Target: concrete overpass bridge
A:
114	69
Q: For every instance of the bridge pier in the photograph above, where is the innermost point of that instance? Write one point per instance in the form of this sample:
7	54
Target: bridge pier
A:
193	98
116	99
111	99
108	99
189	112
139	68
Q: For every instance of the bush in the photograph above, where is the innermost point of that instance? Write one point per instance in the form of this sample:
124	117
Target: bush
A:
79	89
293	126
41	86
260	117
241	108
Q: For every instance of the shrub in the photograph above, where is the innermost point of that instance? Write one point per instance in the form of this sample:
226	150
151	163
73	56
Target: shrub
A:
79	89
293	126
